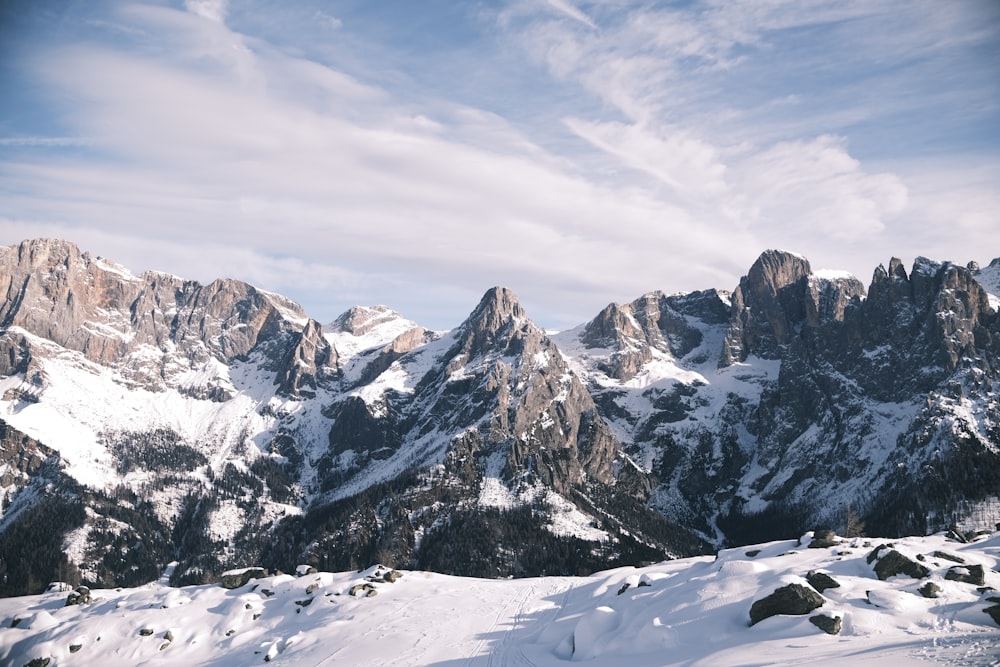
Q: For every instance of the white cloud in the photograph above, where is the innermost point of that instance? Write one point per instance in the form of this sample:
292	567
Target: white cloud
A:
571	10
291	159
45	141
213	10
816	186
686	164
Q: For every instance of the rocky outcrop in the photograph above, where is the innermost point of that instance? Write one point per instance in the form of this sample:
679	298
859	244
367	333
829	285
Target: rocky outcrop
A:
21	457
310	360
780	296
361	320
921	325
823	539
400	345
930	590
80	595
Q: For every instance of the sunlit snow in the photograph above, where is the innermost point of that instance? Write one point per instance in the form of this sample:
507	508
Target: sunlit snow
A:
693	611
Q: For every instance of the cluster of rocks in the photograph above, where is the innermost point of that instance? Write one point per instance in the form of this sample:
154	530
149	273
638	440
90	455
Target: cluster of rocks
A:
81	595
887	562
380	576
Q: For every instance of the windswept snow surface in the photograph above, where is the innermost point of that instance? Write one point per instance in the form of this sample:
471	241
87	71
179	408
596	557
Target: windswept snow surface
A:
685	612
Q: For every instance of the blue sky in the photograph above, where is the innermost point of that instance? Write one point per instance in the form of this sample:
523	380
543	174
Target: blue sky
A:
415	154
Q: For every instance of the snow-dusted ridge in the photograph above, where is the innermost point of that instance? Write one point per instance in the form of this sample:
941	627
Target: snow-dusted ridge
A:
692	611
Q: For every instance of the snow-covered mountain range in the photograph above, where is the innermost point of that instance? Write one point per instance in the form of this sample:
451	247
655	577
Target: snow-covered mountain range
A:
148	419
811	601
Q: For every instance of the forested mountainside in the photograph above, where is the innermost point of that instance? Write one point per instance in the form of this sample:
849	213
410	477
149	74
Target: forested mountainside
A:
148	419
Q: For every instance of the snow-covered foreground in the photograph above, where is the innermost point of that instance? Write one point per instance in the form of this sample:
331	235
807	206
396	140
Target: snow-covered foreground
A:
687	612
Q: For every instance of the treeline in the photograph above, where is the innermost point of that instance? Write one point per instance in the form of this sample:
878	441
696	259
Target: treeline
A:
416	521
158	450
960	476
31	543
778	521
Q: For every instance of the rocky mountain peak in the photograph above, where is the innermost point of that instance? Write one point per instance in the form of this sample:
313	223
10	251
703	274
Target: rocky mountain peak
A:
498	317
498	307
948	310
775	270
610	326
767	305
361	320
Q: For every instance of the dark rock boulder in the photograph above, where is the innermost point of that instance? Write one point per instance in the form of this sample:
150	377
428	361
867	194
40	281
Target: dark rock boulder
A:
930	590
894	563
821	581
947	556
793	599
823	539
831	625
967	574
994	613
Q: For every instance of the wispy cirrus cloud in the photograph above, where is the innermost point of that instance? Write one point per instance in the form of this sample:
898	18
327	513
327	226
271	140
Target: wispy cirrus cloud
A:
213	10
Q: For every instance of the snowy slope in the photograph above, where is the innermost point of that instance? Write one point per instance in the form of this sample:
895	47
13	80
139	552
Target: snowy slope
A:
686	612
989	278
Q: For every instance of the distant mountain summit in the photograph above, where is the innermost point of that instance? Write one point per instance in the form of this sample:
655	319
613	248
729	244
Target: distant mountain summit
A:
147	419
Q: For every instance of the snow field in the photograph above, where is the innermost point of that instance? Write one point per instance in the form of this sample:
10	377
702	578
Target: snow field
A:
693	611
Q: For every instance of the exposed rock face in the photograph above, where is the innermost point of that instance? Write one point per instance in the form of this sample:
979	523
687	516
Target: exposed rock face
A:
150	328
361	320
767	305
777	298
652	323
21	457
927	321
793	600
502	386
